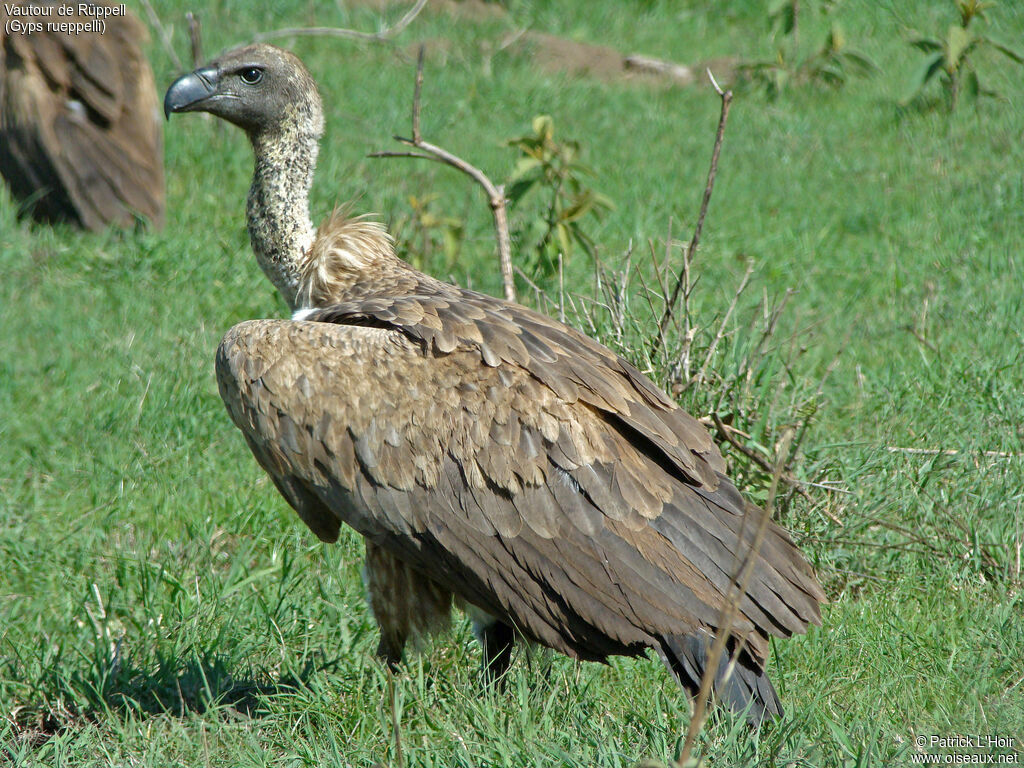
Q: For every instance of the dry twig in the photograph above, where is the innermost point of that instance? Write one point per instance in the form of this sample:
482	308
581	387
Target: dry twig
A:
950	452
754	456
163	34
691	249
195	38
722	325
385	34
495	192
396	719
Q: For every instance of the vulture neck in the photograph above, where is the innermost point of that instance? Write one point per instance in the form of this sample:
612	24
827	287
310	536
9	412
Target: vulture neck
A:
280	227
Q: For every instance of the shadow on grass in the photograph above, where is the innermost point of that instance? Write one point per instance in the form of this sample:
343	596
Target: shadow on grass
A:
200	684
176	687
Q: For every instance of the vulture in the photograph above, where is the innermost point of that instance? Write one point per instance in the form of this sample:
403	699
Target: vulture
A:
490	456
80	135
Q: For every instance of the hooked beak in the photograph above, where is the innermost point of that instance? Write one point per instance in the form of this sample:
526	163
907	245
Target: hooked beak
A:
188	92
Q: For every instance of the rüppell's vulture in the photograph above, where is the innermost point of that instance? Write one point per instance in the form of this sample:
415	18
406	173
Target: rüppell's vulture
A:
487	453
80	134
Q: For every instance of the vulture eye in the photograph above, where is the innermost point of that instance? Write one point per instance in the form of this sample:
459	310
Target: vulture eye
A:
251	75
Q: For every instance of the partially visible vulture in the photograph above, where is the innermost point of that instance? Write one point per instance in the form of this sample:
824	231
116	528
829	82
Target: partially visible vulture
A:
80	135
487	453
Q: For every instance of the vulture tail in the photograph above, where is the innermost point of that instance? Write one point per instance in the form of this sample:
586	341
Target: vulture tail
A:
746	690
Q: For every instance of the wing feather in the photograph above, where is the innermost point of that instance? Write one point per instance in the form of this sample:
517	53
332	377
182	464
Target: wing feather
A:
548	512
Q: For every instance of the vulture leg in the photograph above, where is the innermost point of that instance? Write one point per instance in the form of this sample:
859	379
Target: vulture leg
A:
406	603
497	640
390	649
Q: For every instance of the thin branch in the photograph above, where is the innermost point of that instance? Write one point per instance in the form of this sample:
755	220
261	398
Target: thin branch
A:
917	335
757	458
495	193
165	36
721	326
396	724
195	38
385	34
731	607
417	137
951	452
691	250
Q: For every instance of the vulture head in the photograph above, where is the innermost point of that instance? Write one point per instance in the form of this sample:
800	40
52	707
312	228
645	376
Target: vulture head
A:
262	89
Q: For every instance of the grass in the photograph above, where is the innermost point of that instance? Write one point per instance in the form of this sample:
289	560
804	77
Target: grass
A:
160	604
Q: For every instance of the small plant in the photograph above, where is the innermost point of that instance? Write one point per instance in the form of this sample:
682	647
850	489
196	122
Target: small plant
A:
432	231
552	168
950	57
831	64
835	61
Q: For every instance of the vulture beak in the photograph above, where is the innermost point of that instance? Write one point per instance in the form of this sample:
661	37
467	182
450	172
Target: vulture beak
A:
188	92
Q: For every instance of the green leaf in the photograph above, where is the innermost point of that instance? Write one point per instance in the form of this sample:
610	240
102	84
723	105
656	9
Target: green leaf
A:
958	40
544	127
1005	50
926	44
972	87
860	62
579	207
518	189
782	16
929	67
523	166
564	241
836	40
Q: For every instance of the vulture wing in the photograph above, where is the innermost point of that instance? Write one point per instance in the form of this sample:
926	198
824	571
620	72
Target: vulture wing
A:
517	463
80	133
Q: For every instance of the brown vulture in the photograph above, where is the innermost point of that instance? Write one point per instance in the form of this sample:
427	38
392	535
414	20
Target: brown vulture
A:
487	454
80	134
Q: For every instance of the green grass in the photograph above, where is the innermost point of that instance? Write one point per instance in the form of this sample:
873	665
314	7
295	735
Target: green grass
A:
161	605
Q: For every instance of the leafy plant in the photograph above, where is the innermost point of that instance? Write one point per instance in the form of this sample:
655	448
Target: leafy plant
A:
433	231
784	15
831	64
950	57
552	170
835	61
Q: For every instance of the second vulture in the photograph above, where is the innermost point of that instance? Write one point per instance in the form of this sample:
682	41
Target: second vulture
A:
80	136
489	455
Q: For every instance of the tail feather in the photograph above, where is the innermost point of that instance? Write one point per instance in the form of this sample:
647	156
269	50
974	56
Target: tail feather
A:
746	690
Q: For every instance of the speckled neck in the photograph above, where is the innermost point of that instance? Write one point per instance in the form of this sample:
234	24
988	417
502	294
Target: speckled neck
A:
280	227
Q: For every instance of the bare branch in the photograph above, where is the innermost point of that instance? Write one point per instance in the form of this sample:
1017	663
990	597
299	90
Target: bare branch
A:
754	456
165	36
417	90
731	607
495	192
419	155
396	724
195	38
951	452
385	34
721	326
691	250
